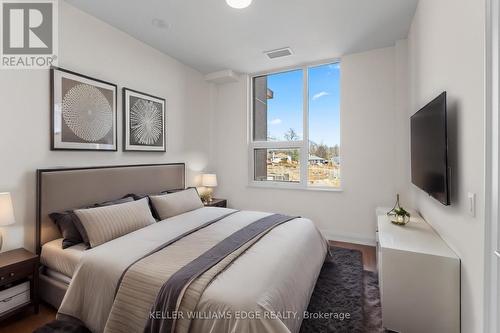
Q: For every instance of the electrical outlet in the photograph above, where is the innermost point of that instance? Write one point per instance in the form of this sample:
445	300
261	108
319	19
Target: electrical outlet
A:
471	198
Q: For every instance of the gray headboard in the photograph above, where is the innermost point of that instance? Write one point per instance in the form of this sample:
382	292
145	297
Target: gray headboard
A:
70	188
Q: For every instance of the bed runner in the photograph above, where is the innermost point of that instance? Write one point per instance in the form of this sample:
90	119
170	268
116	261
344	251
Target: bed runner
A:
167	302
173	240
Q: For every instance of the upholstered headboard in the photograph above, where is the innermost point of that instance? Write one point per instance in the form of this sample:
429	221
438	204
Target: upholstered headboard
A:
70	188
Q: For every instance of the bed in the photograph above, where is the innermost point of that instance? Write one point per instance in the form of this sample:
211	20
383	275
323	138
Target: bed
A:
262	284
61	263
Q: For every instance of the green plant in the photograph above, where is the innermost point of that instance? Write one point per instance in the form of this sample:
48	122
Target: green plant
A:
401	212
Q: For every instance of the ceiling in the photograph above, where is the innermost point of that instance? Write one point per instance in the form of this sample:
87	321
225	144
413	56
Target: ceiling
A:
209	36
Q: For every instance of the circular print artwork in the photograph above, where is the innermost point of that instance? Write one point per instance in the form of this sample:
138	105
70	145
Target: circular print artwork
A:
146	122
87	112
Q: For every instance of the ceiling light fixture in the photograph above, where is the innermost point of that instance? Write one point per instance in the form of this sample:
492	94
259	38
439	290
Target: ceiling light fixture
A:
239	4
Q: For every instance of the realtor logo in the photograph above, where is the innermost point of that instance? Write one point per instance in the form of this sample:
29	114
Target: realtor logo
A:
29	34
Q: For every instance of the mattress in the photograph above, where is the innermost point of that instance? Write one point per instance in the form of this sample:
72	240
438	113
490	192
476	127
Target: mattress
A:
59	260
57	276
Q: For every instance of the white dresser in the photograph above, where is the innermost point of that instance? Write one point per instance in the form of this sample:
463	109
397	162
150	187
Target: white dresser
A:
419	277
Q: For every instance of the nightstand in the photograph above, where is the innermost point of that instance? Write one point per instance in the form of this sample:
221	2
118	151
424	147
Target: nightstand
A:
216	203
18	282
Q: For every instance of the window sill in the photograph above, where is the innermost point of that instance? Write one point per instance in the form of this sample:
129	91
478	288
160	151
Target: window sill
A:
294	187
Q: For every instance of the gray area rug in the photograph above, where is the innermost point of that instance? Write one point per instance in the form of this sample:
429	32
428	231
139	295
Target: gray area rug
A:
372	304
59	326
347	296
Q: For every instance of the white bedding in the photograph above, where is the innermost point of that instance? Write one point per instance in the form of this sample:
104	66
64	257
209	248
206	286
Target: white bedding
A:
276	274
55	275
64	261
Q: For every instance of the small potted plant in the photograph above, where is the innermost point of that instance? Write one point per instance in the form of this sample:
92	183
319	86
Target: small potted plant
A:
398	214
401	217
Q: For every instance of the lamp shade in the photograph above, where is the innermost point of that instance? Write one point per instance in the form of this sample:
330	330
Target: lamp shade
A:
6	210
209	180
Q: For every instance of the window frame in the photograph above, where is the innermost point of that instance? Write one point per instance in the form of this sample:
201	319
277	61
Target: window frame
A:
301	145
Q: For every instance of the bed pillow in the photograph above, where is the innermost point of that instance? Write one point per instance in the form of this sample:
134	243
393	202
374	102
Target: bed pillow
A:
102	224
126	198
65	221
174	191
173	204
153	210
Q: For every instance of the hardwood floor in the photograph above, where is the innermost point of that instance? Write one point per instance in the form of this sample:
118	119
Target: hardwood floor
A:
368	253
27	322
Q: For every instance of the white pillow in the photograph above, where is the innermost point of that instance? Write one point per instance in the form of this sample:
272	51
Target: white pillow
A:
103	224
176	203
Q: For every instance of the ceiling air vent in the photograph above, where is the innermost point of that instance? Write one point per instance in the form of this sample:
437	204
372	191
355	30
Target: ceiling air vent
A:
286	51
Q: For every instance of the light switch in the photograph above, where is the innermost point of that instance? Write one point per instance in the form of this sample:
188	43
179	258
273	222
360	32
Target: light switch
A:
471	197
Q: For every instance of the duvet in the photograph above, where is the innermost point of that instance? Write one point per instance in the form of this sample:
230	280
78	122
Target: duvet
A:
208	270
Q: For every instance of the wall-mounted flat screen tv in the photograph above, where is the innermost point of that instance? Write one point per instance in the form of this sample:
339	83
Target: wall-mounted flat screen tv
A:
429	149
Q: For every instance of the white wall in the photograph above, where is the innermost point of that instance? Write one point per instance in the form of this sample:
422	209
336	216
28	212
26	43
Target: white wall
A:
91	47
374	153
446	52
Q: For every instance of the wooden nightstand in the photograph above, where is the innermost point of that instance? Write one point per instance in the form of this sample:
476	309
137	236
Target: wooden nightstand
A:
216	203
18	267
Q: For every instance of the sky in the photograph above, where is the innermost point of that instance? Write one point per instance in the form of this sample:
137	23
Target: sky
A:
284	110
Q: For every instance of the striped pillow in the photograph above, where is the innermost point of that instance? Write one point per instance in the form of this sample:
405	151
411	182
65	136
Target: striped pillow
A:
176	203
70	230
103	224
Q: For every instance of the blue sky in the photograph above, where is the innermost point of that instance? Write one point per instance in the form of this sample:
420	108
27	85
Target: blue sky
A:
285	109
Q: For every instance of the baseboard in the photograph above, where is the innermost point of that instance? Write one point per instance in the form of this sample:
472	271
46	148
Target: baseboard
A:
349	238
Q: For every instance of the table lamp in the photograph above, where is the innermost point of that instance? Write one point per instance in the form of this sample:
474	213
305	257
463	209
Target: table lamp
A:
209	180
6	212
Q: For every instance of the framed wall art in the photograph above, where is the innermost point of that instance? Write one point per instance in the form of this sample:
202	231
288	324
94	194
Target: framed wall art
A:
144	122
84	115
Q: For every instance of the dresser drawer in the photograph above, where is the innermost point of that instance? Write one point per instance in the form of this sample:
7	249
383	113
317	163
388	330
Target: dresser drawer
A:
13	274
14	296
18	282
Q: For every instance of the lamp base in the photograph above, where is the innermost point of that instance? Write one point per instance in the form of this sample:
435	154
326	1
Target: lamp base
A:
1	241
206	196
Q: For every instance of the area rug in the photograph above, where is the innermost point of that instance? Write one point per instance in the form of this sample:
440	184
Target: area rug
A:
345	299
59	326
372	304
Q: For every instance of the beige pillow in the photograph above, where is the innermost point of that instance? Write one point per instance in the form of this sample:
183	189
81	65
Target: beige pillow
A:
103	224
173	204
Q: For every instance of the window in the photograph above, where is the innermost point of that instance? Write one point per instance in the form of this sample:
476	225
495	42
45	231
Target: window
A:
296	127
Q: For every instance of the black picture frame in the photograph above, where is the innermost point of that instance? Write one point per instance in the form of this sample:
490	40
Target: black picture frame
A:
56	144
127	145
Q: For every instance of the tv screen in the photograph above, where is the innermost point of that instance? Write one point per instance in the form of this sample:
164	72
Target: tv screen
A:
429	149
